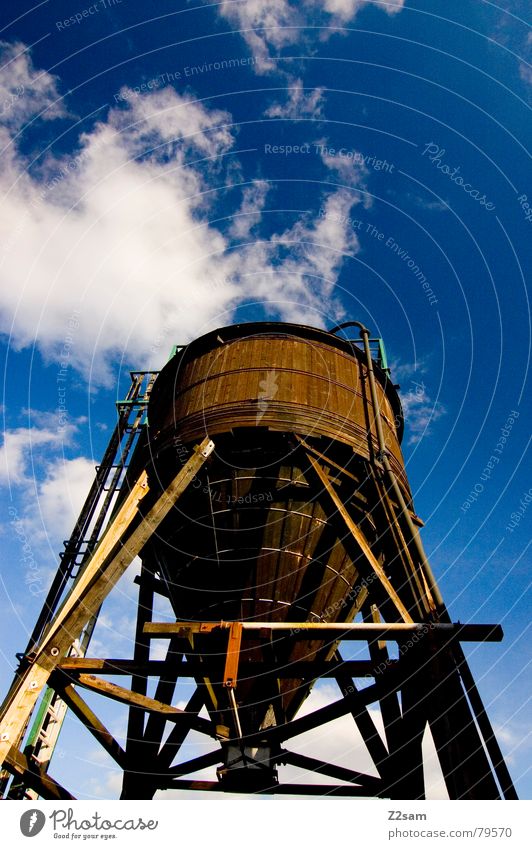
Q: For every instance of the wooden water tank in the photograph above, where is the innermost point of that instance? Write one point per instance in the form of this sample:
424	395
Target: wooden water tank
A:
252	538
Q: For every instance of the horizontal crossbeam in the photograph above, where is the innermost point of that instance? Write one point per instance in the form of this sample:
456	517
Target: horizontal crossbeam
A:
251	669
277	789
334	631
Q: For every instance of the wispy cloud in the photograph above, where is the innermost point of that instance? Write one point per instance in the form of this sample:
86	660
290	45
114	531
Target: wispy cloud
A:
295	272
24	90
248	215
428	203
18	448
420	410
349	170
525	68
299	103
268	26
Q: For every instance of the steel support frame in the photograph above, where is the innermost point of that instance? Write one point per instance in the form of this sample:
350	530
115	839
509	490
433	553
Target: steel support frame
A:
404	719
471	760
390	783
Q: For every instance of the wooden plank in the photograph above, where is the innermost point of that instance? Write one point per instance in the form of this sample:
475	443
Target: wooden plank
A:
136	716
365	724
274	789
22	697
128	697
247	669
176	738
94	584
370	782
41	782
195	764
105	575
337	630
150	739
113	535
89	719
233	655
353	701
333	464
359	538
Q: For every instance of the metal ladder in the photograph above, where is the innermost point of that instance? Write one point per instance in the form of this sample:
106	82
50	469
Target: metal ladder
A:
91	523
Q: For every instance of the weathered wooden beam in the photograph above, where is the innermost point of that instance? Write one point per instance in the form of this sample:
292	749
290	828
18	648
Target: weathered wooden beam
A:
195	764
170	748
247	669
274	789
118	547
370	782
353	701
81	709
338	630
332	463
359	537
365	724
128	697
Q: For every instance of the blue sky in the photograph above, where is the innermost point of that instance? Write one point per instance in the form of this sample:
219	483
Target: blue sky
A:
316	162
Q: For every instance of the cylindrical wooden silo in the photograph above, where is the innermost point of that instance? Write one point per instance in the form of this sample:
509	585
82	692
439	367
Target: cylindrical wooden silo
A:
250	540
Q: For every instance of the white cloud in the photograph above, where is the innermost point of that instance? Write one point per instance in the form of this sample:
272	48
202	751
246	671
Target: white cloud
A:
23	447
118	221
24	91
347	166
62	492
515	738
420	409
117	235
164	124
267	26
404	371
49	487
343	11
295	272
300	103
427	203
253	200
525	68
323	240
525	72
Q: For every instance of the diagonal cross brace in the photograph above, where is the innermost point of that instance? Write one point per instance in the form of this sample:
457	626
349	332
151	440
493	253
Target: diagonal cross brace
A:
124	539
358	536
